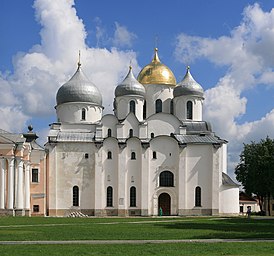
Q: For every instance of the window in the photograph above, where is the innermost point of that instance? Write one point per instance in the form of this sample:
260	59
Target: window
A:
109	132
145	110
35	175
83	114
75	196
158	106
130	133
166	179
152	135
272	207
189	110
198	194
109	155
109	196
132	106
132	196
133	155
154	155
171	107
241	209
86	156
35	208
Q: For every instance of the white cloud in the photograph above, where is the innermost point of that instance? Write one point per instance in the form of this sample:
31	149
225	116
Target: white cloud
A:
122	37
249	58
31	89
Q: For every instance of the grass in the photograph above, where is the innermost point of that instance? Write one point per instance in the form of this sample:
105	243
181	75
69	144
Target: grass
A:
36	228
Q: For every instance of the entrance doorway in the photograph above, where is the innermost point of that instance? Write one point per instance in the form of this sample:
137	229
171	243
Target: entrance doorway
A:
164	204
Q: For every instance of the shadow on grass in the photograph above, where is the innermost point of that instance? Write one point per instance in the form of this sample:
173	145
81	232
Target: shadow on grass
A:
226	228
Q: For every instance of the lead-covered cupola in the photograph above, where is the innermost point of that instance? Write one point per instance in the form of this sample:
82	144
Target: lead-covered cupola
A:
79	100
188	98
129	97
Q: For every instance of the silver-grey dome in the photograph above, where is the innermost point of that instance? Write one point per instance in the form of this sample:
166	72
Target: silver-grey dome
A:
79	89
188	86
130	86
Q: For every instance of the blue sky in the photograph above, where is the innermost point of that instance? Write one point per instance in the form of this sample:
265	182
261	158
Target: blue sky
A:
229	46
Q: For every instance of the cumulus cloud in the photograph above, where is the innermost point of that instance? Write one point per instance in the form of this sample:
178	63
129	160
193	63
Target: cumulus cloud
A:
31	89
122	37
247	54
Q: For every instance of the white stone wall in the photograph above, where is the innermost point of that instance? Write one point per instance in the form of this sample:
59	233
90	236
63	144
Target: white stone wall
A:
229	200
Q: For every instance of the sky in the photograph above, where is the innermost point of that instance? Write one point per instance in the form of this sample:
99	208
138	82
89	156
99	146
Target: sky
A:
229	46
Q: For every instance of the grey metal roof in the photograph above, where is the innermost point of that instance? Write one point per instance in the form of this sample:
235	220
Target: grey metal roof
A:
130	86
199	139
227	181
12	137
188	86
79	89
197	126
75	136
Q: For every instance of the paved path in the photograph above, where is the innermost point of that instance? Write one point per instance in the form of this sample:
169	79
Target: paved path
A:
138	241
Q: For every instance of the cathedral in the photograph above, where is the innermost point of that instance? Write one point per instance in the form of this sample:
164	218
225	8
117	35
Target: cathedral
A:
154	156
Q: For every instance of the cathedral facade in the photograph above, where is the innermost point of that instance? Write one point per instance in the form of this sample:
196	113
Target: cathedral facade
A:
154	156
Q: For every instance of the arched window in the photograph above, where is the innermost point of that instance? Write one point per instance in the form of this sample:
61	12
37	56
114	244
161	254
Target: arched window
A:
133	155
158	106
166	179
109	196
154	155
132	106
130	133
145	110
83	114
152	135
75	196
109	155
189	110
132	199
109	132
171	107
198	196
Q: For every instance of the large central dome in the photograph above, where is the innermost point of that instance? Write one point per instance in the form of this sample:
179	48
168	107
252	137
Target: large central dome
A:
156	73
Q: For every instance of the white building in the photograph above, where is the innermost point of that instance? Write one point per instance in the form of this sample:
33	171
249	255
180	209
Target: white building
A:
154	154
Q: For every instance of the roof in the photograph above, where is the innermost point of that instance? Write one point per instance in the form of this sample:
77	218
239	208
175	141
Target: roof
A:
199	139
12	137
227	181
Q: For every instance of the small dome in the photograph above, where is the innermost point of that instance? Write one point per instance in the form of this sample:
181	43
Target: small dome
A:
188	86
79	89
130	86
156	73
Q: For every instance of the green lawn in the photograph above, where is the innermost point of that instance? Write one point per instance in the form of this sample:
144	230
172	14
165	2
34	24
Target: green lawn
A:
22	229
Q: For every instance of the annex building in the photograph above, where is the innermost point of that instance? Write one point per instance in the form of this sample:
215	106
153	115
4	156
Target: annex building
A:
155	154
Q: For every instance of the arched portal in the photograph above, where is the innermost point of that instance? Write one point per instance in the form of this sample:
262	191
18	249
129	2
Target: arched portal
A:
164	204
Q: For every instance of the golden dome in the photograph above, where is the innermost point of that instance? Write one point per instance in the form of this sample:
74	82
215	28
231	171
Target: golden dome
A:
156	73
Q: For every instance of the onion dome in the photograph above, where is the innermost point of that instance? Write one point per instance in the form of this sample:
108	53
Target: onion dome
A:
130	86
188	86
156	73
79	89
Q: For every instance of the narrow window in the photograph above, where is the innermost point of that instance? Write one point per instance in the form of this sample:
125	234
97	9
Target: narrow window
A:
166	179
133	155
35	208
132	197
130	133
189	110
145	110
34	175
171	107
109	155
109	196
158	106
86	156
109	132
75	196
132	106
152	135
198	194
83	114
154	155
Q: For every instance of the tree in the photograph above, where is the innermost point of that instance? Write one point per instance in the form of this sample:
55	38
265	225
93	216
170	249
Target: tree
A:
256	170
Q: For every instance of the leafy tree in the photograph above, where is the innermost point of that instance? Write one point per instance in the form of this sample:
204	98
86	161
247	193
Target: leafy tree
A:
256	169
